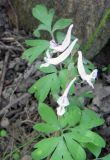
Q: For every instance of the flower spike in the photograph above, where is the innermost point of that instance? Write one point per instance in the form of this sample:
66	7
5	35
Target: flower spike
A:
82	72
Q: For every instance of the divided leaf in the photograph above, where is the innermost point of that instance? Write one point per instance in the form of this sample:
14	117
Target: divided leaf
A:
95	150
49	69
42	87
61	152
44	148
75	148
32	53
55	87
90	119
47	114
42	14
41	27
61	24
37	42
106	157
71	117
63	76
86	136
46	128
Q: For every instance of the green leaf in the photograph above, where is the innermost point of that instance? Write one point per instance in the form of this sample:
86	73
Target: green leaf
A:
46	128
40	12
86	136
61	24
42	87
95	139
71	117
16	156
51	13
90	119
44	148
55	87
74	148
43	15
87	94
95	150
49	69
32	53
89	64
106	157
60	37
41	27
75	101
47	114
72	70
65	77
3	133
37	42
61	152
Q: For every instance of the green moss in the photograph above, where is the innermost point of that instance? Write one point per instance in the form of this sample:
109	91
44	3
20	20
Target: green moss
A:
94	35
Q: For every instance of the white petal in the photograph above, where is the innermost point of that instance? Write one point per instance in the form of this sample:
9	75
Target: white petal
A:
82	72
80	66
90	83
63	101
44	65
93	75
65	43
67	39
63	56
68	87
53	44
60	110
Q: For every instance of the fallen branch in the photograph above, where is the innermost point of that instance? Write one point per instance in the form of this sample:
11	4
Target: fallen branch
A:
5	109
6	47
4	72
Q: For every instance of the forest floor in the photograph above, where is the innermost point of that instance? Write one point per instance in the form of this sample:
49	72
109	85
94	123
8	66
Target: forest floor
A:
18	109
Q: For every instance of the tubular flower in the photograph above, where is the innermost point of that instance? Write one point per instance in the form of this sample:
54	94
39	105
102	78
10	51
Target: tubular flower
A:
60	110
60	58
60	48
63	100
83	74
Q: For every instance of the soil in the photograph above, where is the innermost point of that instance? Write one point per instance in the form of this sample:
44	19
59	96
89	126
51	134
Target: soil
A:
18	111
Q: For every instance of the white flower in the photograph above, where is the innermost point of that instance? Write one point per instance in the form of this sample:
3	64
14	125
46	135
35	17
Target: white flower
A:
60	110
60	58
60	48
63	100
53	44
82	72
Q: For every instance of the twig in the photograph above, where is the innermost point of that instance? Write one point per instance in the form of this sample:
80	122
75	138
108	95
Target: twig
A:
6	47
19	44
4	72
5	109
9	39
